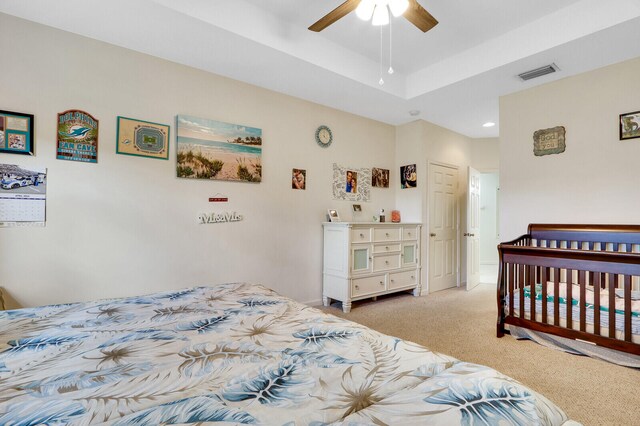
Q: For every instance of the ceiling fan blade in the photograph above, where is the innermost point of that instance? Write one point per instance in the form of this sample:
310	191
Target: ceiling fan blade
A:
419	17
337	13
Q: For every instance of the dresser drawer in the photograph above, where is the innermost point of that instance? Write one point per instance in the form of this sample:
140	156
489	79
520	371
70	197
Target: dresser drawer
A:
402	279
384	263
386	234
361	235
409	233
386	248
369	285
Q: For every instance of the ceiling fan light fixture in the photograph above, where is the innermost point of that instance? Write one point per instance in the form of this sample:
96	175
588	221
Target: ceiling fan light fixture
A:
380	16
398	7
365	9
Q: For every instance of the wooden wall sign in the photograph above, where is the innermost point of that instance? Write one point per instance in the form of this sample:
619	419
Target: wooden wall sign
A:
549	141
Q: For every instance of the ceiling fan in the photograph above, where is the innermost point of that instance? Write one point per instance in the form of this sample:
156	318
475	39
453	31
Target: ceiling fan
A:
366	9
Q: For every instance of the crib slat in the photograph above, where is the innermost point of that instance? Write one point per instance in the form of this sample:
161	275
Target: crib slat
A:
511	267
583	300
596	304
532	289
521	281
570	299
612	306
556	296
543	281
627	308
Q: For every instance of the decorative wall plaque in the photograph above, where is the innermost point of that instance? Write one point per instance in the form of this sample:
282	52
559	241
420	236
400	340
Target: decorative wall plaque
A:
77	136
549	141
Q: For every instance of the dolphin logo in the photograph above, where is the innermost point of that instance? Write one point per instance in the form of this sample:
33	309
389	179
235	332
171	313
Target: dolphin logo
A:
76	132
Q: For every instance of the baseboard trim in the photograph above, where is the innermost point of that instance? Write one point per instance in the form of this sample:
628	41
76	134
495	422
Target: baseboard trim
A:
315	303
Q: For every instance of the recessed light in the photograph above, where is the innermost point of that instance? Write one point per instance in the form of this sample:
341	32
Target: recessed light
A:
489	124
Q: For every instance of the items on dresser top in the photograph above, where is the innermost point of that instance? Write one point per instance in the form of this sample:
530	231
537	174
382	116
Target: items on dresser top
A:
363	260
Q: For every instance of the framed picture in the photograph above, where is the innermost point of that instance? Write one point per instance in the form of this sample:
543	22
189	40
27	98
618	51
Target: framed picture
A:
630	125
379	178
333	216
299	179
214	150
408	176
351	184
16	133
142	138
77	136
357	208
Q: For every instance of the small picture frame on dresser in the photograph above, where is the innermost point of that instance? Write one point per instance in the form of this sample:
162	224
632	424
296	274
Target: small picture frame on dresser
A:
333	216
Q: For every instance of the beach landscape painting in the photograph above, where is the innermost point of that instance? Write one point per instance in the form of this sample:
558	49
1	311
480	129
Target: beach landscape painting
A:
214	150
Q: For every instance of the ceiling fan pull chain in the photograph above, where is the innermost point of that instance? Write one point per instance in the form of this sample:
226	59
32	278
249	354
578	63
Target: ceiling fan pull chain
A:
381	82
390	71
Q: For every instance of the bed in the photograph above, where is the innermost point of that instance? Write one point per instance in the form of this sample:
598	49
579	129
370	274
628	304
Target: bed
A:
578	282
241	354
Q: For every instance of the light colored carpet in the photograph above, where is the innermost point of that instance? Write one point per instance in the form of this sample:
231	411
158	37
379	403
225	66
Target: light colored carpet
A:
463	324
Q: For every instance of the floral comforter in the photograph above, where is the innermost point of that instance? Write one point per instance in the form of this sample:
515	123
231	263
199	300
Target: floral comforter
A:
241	354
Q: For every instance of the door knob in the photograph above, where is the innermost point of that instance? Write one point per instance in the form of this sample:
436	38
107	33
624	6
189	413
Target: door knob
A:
432	235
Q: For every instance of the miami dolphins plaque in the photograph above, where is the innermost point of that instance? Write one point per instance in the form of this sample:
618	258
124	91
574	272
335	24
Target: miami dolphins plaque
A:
77	136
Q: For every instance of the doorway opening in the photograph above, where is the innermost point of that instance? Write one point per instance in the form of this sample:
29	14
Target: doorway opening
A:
489	226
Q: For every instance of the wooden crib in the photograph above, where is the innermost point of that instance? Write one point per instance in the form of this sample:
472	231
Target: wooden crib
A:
594	266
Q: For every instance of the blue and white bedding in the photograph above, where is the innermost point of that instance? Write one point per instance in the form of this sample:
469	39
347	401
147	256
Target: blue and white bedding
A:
575	307
241	354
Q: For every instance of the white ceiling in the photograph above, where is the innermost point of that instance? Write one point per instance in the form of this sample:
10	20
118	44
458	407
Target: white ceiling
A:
453	74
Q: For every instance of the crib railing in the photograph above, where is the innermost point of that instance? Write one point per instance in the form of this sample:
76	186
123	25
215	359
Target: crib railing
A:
564	261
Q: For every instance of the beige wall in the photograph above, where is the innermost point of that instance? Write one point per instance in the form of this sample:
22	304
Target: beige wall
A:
127	225
596	179
485	154
421	142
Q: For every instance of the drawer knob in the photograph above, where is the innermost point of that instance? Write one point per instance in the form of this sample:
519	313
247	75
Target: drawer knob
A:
381	282
357	288
386	262
413	277
393	281
361	235
387	247
409	233
387	234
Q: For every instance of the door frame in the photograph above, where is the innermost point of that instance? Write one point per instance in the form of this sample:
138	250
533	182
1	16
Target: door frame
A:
427	216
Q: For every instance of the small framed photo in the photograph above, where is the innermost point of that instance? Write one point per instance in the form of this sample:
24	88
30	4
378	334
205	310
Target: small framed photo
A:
630	125
357	208
298	179
351	185
408	176
333	216
380	178
16	133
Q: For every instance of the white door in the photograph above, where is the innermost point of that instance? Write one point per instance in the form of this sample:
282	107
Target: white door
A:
472	235
443	227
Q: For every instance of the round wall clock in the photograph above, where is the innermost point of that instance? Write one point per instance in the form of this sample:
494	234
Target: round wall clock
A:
324	137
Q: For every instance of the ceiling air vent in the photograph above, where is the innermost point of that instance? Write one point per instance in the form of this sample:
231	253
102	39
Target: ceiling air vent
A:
538	72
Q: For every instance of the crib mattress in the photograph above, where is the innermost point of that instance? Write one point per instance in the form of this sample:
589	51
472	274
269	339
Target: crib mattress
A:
575	309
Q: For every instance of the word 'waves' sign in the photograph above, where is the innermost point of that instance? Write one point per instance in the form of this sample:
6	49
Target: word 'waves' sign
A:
219	217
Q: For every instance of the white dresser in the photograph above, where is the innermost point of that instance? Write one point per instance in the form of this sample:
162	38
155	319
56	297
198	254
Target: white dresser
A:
364	260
